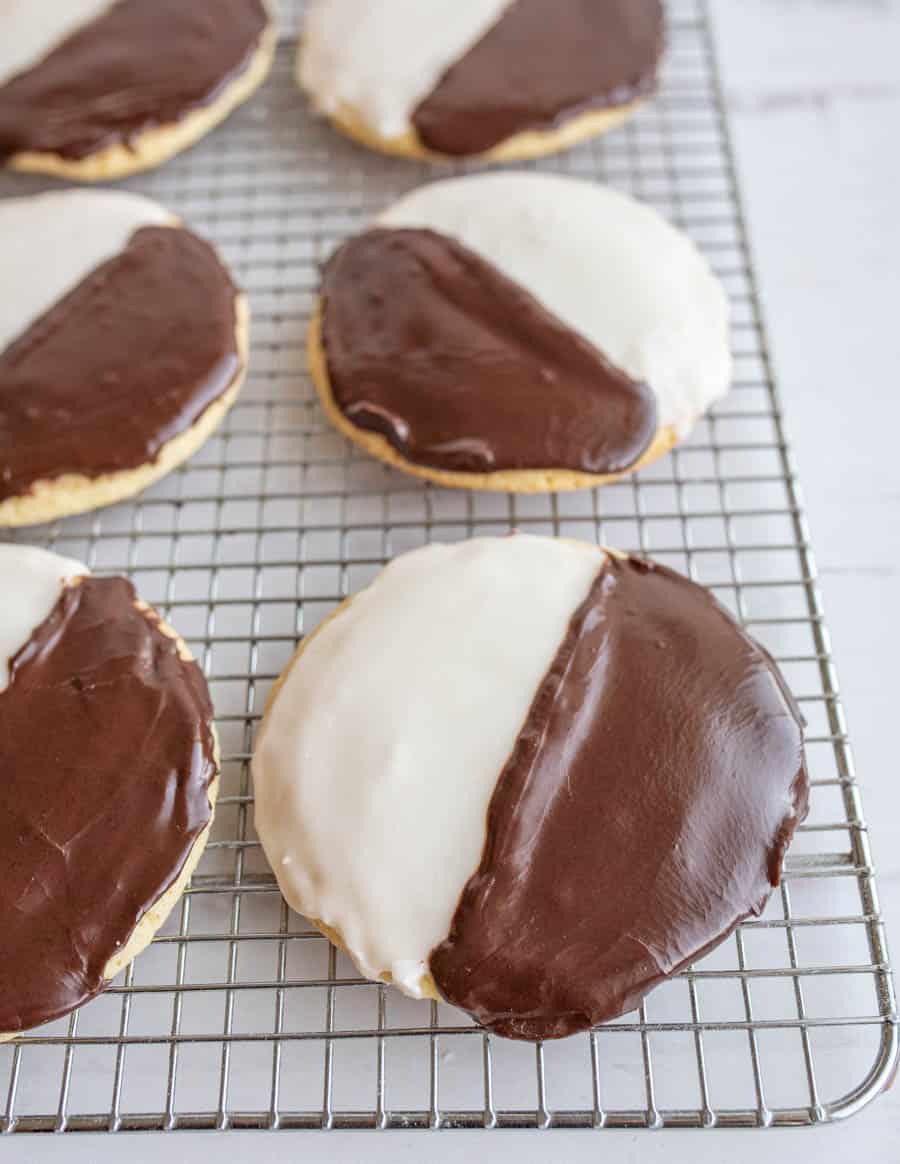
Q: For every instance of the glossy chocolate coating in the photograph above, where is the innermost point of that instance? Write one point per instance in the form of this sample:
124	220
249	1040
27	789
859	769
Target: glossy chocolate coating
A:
644	811
106	760
539	66
461	369
130	358
140	65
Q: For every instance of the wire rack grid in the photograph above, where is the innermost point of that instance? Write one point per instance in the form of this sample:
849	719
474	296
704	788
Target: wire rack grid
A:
239	1015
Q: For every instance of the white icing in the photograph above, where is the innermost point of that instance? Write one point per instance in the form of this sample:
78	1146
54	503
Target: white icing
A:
377	761
49	243
383	57
33	28
31	581
607	266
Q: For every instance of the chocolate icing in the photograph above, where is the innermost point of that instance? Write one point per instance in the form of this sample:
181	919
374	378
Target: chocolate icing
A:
462	369
106	756
130	358
540	65
644	811
140	65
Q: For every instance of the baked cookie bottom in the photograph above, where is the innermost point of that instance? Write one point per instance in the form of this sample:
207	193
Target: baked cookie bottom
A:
501	481
155	146
153	919
74	493
524	146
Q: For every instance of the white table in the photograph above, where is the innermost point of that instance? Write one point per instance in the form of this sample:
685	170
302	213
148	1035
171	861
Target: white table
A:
814	91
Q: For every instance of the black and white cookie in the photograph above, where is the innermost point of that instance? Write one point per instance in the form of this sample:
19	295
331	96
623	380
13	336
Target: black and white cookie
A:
519	332
123	343
109	773
530	777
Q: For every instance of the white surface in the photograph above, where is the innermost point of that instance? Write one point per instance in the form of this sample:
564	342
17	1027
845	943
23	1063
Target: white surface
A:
31	581
815	100
383	57
378	760
50	242
814	96
32	28
613	270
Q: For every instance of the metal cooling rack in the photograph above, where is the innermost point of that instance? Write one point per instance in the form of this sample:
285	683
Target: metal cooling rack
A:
239	1015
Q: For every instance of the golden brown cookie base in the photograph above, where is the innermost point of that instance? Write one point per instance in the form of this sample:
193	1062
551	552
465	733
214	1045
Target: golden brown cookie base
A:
144	932
74	493
157	145
529	144
502	481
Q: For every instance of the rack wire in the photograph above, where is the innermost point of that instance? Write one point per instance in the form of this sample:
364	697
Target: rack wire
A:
239	1015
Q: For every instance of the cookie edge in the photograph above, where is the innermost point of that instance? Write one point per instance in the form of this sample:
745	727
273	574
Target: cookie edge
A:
526	145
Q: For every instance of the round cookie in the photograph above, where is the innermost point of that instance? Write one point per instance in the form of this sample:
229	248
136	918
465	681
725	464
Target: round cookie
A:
519	332
110	772
94	90
122	346
530	777
500	80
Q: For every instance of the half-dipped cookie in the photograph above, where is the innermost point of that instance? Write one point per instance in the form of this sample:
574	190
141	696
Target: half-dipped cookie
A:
519	332
123	343
497	79
530	777
97	89
108	775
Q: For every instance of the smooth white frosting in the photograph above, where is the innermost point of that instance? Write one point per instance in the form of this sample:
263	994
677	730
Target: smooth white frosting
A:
31	581
30	29
607	266
383	57
376	763
49	243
